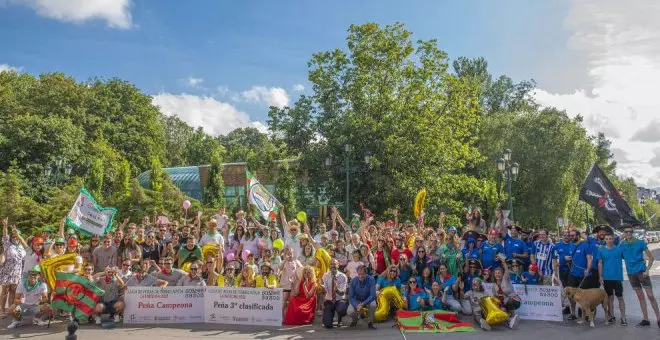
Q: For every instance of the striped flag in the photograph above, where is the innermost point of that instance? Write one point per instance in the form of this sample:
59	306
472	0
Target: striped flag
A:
75	293
261	198
435	321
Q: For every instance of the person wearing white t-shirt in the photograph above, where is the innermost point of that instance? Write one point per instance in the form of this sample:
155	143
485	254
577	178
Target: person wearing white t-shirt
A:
31	300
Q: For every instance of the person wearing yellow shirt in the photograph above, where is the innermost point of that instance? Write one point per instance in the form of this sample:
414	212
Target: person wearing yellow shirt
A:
229	279
246	279
266	279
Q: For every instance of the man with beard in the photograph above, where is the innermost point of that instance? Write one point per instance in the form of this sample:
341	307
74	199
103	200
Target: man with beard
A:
581	259
514	247
562	262
142	278
334	286
400	249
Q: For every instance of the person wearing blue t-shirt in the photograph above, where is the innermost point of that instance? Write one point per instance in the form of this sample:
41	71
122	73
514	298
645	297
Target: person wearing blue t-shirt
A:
490	249
532	276
388	278
610	272
563	251
638	273
514	247
581	259
515	271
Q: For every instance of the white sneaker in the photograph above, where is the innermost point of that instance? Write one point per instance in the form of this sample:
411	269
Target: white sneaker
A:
14	324
484	325
39	322
97	320
514	321
117	318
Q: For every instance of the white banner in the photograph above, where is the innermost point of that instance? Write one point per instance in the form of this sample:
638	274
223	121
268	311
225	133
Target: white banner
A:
538	303
243	306
149	305
88	217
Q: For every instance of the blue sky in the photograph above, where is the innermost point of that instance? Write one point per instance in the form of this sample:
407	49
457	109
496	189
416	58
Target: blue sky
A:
219	64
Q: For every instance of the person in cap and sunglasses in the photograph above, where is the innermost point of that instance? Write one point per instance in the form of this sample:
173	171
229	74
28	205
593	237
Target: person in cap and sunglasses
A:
31	300
194	277
267	279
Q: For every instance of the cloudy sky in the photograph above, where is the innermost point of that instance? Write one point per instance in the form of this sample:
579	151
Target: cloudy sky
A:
220	64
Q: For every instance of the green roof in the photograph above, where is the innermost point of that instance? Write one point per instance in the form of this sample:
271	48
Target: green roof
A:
185	178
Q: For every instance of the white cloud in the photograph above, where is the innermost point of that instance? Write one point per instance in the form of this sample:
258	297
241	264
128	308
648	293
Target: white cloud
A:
117	13
8	68
194	82
215	117
273	96
298	88
621	41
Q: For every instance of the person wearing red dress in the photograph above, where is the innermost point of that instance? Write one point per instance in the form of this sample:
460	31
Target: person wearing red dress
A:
302	304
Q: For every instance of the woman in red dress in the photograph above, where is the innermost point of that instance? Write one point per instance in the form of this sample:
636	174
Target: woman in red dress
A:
303	299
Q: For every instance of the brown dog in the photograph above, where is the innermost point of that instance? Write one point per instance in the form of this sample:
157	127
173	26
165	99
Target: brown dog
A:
588	300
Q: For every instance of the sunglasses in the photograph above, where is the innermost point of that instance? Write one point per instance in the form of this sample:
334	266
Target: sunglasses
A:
393	271
231	268
403	259
412	282
150	236
125	265
88	269
193	268
59	244
168	263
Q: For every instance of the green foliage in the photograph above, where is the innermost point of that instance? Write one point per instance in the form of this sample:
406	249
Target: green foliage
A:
214	193
122	185
156	174
285	187
95	182
21	210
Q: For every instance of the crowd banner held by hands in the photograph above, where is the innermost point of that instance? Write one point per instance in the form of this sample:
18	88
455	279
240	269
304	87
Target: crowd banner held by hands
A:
243	306
542	303
88	217
258	196
599	192
151	305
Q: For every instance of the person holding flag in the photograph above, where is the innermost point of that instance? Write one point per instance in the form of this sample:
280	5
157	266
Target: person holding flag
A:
31	300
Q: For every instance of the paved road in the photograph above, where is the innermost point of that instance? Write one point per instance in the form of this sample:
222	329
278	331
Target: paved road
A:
527	330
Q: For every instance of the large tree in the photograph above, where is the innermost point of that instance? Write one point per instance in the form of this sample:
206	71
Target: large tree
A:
396	99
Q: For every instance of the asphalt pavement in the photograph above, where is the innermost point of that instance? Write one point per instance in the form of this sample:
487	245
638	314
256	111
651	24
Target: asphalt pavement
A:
527	329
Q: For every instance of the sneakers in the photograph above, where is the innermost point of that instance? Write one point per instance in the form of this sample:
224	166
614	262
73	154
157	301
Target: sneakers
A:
14	324
611	320
572	317
39	322
484	325
116	318
370	325
644	323
353	323
514	321
97	320
566	310
624	322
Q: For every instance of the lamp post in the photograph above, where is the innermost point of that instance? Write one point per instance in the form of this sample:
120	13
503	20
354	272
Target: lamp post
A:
510	172
347	168
58	171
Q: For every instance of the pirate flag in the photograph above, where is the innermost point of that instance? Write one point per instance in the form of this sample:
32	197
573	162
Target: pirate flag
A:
599	192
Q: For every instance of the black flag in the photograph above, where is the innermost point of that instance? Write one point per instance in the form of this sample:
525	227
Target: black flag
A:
599	192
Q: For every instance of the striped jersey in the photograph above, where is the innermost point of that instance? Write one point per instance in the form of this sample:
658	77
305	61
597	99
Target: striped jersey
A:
543	254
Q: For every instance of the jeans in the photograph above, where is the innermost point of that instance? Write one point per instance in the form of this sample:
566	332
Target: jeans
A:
453	304
356	314
329	310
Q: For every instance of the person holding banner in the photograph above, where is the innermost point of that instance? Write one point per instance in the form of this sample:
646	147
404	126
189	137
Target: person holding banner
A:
267	279
193	278
302	304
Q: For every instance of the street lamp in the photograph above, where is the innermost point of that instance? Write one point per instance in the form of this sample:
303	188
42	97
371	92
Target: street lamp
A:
510	172
368	157
58	171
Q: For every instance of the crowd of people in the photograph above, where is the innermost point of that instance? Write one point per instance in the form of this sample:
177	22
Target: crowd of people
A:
433	267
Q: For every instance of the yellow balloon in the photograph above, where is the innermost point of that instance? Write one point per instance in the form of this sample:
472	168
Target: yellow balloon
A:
51	265
301	216
186	267
411	242
209	251
323	257
389	297
491	307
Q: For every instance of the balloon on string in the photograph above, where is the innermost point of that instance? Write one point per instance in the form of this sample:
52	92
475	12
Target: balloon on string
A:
230	257
186	204
301	216
279	244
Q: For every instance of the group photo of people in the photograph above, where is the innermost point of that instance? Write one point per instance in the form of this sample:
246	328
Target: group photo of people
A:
338	269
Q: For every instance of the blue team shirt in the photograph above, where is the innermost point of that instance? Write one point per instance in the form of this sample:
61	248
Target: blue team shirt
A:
516	279
404	273
383	282
580	259
470	254
633	254
531	279
563	249
612	265
449	282
514	245
488	253
412	300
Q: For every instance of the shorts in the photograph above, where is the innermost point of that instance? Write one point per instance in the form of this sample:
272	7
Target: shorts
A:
287	290
638	281
109	307
29	310
613	287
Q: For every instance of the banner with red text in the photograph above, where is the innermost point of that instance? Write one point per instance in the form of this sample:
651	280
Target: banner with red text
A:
243	306
152	305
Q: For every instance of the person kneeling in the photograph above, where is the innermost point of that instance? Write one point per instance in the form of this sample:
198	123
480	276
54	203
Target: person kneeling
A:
110	282
362	294
503	290
31	300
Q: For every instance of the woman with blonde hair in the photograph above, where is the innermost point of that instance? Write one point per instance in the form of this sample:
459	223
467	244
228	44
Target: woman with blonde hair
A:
303	301
246	279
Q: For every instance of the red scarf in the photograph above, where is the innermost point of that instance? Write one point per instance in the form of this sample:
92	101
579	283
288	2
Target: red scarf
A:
108	280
